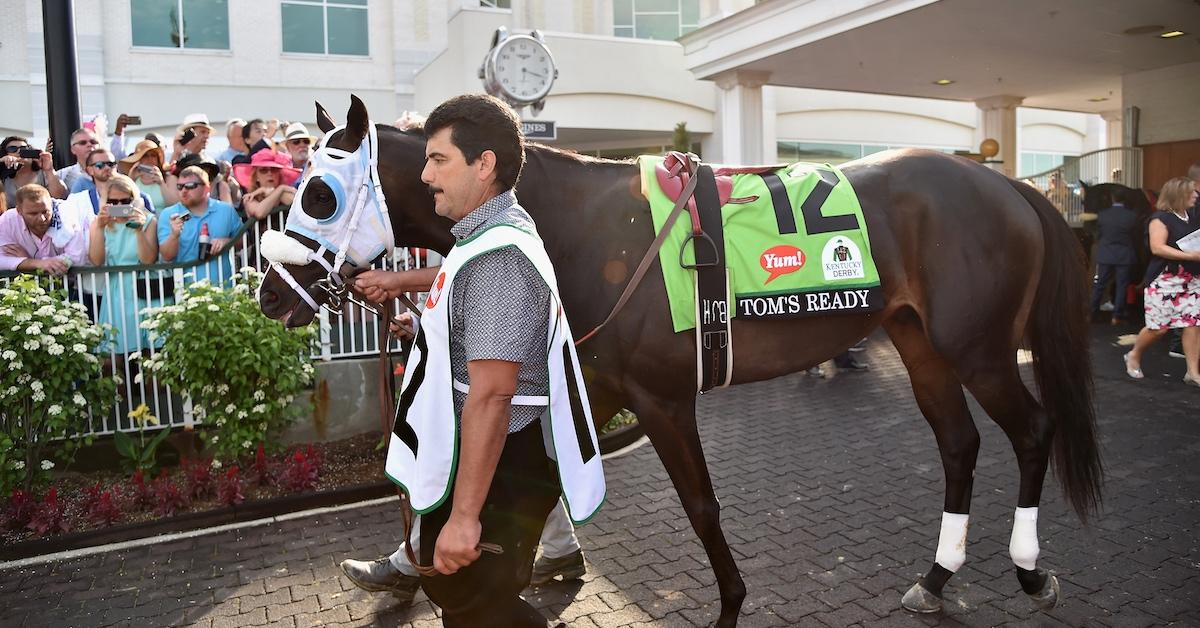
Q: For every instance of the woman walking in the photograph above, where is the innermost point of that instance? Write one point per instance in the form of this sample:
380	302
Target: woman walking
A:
1172	280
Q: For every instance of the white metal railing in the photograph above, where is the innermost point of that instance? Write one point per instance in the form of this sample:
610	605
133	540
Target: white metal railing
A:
117	296
1062	184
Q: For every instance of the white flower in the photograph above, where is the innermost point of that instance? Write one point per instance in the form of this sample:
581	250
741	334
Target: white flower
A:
222	389
47	465
79	400
21	317
39	396
91	358
33	329
216	464
241	288
207	390
19	464
55	349
242	414
35	385
200	412
23	378
79	347
79	307
137	379
230	409
260	408
288	399
32	345
118	380
259	395
178	326
9	355
213	308
149	324
58	330
246	444
308	369
54	409
12	390
16	365
215	438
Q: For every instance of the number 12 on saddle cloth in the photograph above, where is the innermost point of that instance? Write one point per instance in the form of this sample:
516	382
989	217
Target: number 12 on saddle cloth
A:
796	245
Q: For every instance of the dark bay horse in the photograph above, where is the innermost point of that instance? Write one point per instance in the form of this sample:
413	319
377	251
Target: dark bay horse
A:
973	265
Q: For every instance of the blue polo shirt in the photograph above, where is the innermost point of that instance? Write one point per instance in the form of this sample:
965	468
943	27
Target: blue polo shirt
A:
222	221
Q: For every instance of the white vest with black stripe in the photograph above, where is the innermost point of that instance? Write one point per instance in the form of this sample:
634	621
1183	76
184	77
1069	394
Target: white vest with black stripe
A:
423	452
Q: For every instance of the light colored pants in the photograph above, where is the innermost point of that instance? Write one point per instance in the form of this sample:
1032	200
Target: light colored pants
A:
558	540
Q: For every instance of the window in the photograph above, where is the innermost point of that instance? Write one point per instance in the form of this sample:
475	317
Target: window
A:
1035	163
655	19
335	27
496	4
195	24
835	153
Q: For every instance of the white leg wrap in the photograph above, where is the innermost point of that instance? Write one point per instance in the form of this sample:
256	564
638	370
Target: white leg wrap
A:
952	542
1023	546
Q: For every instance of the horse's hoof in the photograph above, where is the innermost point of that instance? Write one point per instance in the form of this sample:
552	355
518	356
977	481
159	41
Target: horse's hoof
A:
1047	598
921	600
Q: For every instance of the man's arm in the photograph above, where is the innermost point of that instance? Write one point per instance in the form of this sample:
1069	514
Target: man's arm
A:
485	418
380	285
169	228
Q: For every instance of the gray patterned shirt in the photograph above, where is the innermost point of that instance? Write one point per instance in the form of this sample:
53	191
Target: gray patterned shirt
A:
500	309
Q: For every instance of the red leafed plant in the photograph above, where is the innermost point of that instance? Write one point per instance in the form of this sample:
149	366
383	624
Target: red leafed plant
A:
142	493
168	499
316	457
50	515
198	477
301	473
101	506
229	487
21	507
262	471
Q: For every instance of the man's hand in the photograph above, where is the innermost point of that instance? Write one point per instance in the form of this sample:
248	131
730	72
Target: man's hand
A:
122	121
378	285
176	224
53	265
457	544
46	161
401	325
219	244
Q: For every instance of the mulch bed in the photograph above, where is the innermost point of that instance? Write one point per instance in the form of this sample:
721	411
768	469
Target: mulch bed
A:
352	462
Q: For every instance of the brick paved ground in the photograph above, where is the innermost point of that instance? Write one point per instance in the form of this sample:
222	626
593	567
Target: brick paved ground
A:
831	493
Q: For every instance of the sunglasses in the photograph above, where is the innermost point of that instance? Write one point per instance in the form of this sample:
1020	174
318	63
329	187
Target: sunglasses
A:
101	165
188	186
12	148
298	142
87	142
120	201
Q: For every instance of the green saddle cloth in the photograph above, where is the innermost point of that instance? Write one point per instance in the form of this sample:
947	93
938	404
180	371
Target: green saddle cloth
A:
820	269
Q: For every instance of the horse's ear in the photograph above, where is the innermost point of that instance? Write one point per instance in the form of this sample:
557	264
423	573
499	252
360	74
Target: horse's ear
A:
356	122
324	120
1083	185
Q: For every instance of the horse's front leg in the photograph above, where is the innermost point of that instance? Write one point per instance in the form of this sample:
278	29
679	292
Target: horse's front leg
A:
671	427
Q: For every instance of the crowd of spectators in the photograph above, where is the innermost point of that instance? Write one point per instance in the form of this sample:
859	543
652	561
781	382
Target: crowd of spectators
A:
120	205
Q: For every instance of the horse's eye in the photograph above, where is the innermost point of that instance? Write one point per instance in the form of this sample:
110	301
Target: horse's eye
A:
319	200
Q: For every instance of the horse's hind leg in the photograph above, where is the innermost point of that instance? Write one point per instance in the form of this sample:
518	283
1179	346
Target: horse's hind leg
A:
671	427
940	396
1006	399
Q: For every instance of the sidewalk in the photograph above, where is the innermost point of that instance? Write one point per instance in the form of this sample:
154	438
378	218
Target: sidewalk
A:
831	493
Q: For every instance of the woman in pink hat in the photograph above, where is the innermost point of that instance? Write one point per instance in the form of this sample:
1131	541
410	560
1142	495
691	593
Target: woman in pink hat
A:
268	180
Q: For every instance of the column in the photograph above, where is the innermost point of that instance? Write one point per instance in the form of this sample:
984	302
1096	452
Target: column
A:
999	122
739	136
1114	131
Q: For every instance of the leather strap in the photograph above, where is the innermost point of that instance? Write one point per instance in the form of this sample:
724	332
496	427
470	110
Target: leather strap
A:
652	252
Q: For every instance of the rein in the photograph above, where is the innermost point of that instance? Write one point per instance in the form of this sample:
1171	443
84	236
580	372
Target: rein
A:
655	246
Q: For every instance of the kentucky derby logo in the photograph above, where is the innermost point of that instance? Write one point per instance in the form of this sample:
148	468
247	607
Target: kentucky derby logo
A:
841	259
435	292
781	260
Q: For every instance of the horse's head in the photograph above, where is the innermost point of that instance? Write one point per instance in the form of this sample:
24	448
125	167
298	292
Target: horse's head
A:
337	226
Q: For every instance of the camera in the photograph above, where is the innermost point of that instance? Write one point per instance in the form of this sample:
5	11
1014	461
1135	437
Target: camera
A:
119	211
187	136
133	120
29	152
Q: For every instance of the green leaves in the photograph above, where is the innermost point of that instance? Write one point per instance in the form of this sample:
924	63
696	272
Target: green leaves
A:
241	369
137	454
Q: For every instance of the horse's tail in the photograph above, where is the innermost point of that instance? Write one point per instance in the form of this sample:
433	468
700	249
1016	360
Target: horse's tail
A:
1062	365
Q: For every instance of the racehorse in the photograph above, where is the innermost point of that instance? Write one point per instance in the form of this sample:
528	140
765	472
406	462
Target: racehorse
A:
973	266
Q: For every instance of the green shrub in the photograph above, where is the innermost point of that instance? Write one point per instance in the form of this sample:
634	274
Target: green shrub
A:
241	369
50	380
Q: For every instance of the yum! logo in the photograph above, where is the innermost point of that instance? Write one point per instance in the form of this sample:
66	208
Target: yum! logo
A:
435	291
781	260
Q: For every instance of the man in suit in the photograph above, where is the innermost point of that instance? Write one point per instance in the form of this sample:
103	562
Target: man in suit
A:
1115	255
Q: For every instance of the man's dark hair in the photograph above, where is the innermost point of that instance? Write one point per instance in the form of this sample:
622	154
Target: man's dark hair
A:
250	125
477	123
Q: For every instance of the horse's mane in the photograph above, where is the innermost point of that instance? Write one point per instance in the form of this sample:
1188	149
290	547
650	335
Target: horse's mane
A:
553	152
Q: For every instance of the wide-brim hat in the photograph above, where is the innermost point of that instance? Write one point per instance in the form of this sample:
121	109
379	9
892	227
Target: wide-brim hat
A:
193	120
193	159
143	148
266	158
297	131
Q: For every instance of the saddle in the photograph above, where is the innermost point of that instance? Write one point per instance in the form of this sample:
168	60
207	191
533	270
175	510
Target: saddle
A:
673	176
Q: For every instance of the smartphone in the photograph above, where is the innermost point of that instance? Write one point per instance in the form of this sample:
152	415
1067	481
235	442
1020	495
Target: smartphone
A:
29	153
187	136
185	217
133	120
119	211
144	168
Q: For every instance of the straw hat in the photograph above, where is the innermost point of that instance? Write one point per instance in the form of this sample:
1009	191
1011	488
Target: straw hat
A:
297	131
266	158
143	148
193	120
